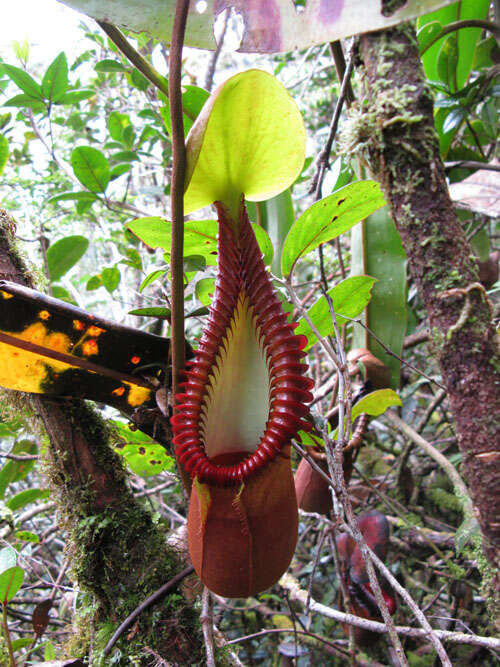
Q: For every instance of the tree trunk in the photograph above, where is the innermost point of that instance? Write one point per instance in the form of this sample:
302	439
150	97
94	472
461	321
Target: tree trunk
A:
117	555
397	128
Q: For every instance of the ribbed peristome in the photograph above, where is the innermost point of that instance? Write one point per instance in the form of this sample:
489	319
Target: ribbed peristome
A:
247	326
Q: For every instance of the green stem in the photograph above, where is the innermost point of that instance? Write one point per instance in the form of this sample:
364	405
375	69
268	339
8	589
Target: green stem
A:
177	200
140	63
494	28
7	636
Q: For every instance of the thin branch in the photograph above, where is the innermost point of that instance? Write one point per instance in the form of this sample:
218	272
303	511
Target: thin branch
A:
393	354
207	623
271	631
300	595
471	164
157	595
324	156
209	79
140	63
461	490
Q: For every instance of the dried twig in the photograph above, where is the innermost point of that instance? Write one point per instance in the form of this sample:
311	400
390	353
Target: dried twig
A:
157	595
207	623
298	594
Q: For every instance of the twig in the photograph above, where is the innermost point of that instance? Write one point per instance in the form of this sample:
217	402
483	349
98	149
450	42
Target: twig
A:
144	605
140	63
461	490
334	456
209	79
315	565
415	339
300	595
393	354
271	631
26	516
340	66
417	612
20	457
177	202
471	164
207	623
324	156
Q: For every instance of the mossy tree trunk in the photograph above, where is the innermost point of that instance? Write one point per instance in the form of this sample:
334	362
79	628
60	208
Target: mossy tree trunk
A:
117	555
397	127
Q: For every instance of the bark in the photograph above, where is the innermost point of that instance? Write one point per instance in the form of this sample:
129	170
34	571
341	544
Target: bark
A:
117	555
397	130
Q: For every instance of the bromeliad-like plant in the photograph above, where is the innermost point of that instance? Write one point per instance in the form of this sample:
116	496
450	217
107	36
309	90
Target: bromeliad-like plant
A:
245	394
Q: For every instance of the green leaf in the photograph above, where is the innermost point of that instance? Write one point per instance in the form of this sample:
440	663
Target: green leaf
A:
4	152
21	50
64	254
200	237
193	99
24	81
59	292
160	312
18	644
10	582
466	39
13	471
117	122
118	170
74	196
143	455
75	96
55	79
447	61
374	404
154	275
249	138
91	168
109	65
204	290
23	100
328	218
110	278
349	298
427	33
49	652
93	283
26	497
27	536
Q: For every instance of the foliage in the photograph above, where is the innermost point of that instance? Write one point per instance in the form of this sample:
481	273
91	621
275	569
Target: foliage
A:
85	159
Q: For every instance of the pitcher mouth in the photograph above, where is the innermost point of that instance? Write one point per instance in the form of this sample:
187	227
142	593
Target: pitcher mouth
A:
245	392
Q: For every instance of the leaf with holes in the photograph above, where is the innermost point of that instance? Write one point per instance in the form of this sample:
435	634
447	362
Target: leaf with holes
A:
270	27
328	218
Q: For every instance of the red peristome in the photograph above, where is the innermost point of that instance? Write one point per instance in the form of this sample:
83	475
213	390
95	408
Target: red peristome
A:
241	270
